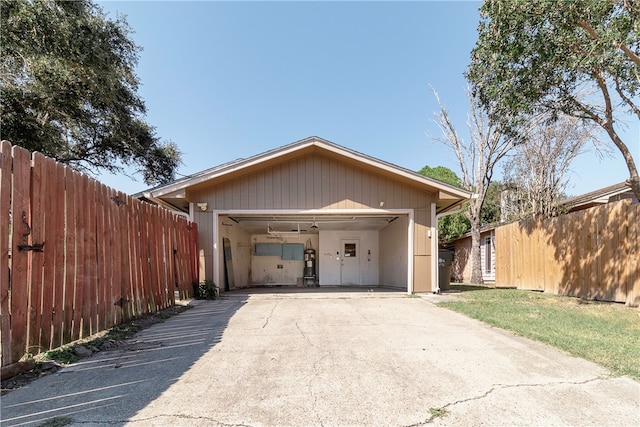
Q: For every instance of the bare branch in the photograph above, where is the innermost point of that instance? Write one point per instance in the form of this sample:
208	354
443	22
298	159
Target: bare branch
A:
539	166
626	99
477	159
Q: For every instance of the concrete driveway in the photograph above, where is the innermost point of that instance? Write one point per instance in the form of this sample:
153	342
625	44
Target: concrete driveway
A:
327	359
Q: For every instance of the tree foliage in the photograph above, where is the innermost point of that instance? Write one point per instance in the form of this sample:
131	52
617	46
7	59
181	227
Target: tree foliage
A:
491	208
580	58
441	173
450	227
69	89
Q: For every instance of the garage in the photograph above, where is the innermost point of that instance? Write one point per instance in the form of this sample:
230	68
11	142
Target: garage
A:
269	248
313	213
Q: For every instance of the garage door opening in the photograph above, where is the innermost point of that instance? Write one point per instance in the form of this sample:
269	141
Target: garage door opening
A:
274	250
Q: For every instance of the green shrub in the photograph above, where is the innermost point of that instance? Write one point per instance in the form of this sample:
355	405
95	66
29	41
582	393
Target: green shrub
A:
206	290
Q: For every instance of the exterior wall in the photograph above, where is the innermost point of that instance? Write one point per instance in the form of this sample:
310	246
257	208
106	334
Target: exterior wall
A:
329	260
422	251
316	181
264	269
205	243
240	252
461	267
393	254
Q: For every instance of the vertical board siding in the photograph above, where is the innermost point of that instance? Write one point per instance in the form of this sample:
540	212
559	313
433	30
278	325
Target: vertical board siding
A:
107	257
591	254
312	182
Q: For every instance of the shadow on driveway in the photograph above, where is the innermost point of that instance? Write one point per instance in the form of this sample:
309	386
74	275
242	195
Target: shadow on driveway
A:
114	385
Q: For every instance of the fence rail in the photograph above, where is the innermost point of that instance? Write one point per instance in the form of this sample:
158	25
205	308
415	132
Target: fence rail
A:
592	254
78	257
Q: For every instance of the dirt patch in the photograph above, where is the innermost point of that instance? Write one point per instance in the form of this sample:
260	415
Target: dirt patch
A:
112	339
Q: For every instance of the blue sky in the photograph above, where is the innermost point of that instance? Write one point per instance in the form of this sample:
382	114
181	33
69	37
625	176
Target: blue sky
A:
228	80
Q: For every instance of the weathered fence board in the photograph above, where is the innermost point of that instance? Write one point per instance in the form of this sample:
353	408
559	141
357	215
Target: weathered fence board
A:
107	257
39	191
6	162
20	260
72	313
633	272
51	226
592	254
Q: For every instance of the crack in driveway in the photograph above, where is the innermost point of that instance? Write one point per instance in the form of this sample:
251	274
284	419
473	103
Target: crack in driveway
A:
316	373
357	310
496	387
270	315
179	416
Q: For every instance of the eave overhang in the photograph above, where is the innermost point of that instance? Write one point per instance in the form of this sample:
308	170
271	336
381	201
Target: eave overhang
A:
448	197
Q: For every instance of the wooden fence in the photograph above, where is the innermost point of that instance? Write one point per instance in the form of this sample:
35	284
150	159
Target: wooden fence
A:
78	257
592	254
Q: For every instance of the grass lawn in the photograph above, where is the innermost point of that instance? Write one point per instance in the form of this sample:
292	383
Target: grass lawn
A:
605	333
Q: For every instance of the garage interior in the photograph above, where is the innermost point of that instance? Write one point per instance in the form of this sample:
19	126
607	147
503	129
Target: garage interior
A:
302	250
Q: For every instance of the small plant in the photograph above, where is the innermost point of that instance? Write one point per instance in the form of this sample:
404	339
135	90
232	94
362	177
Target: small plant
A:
57	422
64	355
206	290
437	412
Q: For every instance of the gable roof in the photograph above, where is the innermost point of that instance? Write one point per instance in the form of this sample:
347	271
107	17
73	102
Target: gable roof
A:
612	193
449	197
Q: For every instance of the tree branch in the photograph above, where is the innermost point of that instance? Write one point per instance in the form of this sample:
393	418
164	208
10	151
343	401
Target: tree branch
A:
602	84
592	32
626	99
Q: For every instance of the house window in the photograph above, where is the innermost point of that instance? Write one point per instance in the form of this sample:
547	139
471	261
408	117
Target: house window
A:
349	249
487	254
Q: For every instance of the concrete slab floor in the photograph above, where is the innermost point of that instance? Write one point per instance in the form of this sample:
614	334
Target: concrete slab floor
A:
327	359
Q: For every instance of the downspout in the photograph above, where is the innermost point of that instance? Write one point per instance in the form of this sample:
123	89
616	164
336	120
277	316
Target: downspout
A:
433	235
217	270
410	254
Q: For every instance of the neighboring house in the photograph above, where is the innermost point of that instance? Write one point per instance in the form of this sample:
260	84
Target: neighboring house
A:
612	193
461	266
369	223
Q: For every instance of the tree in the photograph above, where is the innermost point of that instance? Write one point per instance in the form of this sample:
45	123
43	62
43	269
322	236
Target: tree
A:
491	209
477	159
68	89
538	166
450	227
534	56
443	174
